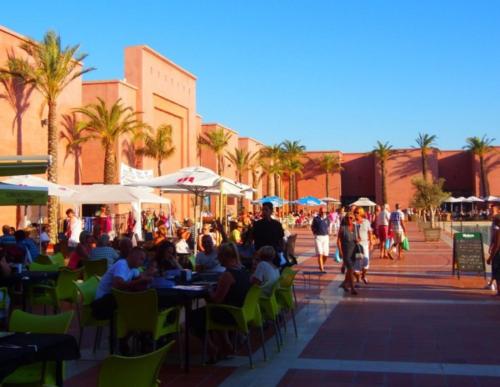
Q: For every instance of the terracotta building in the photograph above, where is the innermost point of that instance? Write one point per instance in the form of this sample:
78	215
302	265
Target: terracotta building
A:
165	93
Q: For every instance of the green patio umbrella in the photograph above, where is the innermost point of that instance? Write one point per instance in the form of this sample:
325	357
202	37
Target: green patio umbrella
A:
19	195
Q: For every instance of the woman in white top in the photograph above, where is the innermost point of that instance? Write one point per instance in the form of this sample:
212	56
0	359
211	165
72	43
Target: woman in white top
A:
266	274
364	236
74	229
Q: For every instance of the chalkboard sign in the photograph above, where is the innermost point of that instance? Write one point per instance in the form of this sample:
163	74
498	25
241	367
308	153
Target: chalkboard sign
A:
468	253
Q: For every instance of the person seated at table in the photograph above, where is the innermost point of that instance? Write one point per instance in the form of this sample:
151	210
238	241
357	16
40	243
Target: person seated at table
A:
103	250
125	246
182	248
206	230
246	249
232	288
161	235
206	260
235	235
124	274
82	251
166	259
7	237
30	247
5	271
266	273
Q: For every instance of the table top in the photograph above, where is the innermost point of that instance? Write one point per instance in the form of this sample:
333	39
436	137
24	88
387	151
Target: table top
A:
25	348
28	276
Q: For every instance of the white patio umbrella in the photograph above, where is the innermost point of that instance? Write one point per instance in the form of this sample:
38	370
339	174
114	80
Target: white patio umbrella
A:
473	199
364	202
330	200
54	189
492	199
196	180
461	200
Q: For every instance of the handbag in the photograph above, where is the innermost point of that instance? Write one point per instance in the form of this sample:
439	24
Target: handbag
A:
337	256
406	244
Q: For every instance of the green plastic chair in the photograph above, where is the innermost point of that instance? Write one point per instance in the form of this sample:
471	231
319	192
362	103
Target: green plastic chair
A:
86	292
58	258
133	371
53	294
37	373
44	260
285	294
247	316
271	312
92	268
138	312
43	267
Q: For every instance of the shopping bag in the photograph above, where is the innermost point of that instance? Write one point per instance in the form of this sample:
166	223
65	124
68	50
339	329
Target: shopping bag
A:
388	243
406	244
337	256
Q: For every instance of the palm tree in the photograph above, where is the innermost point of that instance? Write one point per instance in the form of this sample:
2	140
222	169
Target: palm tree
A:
17	94
157	146
272	163
241	158
383	152
425	142
480	147
292	152
330	163
216	140
74	137
50	68
107	125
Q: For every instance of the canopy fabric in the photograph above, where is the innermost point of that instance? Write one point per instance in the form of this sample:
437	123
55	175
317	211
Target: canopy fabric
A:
330	200
309	201
23	165
451	199
364	202
14	195
492	199
191	179
275	200
112	194
473	199
33	181
461	199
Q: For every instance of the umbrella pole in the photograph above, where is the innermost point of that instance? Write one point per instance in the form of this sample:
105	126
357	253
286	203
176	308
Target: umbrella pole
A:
195	224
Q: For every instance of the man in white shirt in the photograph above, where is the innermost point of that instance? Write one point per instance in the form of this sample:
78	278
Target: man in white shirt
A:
382	223
74	229
266	273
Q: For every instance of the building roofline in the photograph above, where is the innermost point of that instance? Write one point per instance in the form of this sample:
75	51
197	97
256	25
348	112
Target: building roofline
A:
13	33
145	47
103	81
253	139
219	124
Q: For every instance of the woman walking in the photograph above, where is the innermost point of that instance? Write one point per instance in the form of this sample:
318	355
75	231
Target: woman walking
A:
364	236
346	243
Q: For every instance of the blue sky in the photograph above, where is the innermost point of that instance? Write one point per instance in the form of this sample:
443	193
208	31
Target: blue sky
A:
334	75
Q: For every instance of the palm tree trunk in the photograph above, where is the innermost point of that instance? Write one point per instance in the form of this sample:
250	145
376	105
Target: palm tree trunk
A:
384	190
424	165
327	176
159	167
484	182
240	198
109	164
78	169
52	169
270	184
276	184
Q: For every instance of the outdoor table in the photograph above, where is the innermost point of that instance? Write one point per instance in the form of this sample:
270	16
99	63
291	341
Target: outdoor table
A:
24	348
185	295
27	278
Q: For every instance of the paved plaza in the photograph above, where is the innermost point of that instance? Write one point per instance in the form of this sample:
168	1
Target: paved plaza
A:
414	324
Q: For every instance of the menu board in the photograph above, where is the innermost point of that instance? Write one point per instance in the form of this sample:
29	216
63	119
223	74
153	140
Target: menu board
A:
468	253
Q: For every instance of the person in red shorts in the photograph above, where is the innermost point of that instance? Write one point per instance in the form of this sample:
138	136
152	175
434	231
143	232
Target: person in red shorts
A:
382	229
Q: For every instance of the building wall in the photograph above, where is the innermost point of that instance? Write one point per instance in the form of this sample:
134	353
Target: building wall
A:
25	134
358	176
253	147
455	167
492	172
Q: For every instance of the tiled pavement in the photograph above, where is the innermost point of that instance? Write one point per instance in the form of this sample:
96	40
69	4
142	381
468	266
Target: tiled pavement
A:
412	325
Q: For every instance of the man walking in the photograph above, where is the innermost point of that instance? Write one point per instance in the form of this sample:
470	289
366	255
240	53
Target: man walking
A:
320	228
382	223
398	230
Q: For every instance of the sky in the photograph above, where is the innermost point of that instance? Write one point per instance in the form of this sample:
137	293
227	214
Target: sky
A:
335	75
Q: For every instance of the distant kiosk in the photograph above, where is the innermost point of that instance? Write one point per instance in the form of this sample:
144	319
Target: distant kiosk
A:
468	253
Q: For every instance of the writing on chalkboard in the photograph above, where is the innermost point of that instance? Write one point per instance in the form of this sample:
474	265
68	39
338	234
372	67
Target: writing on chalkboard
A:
468	253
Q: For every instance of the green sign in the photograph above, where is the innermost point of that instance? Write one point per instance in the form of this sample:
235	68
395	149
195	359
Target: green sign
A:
468	253
22	197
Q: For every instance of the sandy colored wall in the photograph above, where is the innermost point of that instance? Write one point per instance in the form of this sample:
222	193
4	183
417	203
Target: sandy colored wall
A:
25	134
